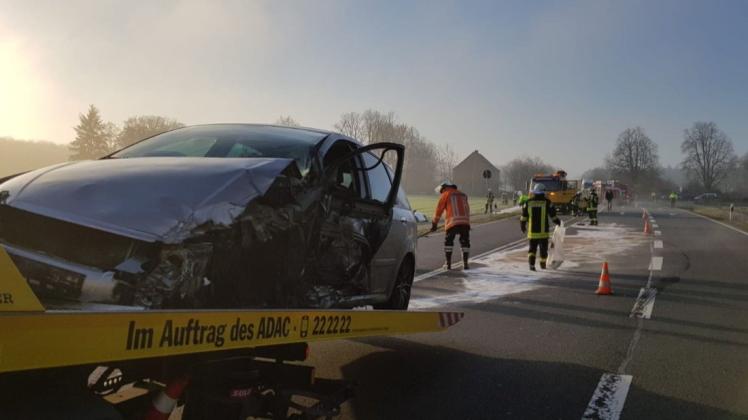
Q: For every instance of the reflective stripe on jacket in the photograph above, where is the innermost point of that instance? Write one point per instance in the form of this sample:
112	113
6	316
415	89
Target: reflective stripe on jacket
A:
455	203
537	212
592	202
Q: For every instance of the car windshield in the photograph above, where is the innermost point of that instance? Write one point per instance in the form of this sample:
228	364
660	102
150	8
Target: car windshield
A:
230	141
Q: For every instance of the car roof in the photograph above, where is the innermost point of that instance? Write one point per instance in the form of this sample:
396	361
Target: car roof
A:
300	133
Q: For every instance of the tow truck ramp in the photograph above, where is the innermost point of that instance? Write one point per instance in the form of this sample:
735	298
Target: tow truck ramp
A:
40	347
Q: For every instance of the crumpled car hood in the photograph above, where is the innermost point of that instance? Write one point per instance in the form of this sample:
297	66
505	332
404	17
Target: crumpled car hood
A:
150	199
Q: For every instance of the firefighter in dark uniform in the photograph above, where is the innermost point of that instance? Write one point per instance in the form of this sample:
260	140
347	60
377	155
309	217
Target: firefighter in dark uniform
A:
537	212
592	208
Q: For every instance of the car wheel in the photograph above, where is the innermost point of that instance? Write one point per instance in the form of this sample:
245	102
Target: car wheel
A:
400	296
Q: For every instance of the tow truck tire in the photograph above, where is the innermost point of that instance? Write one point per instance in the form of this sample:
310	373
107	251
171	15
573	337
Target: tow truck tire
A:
400	296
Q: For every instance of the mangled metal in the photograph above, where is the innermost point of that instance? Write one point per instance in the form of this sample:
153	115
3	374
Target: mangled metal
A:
228	254
183	232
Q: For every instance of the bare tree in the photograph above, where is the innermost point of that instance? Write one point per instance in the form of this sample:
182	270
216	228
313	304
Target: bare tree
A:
287	121
447	159
634	157
518	172
597	174
351	124
141	127
709	154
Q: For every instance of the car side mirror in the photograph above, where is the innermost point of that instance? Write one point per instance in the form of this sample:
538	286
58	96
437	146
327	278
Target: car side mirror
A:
420	217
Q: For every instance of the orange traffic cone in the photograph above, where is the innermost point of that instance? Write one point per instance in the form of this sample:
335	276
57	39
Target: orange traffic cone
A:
163	404
647	227
603	288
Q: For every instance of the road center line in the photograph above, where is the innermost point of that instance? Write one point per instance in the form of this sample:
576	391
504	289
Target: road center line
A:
644	303
656	263
609	396
658	233
658	244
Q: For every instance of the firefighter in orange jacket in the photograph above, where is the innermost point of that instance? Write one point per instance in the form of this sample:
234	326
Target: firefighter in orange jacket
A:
455	203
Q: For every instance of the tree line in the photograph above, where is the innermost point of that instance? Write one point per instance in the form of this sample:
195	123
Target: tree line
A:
95	137
709	162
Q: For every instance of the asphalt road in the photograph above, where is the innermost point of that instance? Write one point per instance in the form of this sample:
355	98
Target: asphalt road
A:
541	353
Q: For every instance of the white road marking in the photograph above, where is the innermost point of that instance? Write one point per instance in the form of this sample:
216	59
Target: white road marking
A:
608	399
720	223
658	244
658	233
655	225
656	263
644	303
652	220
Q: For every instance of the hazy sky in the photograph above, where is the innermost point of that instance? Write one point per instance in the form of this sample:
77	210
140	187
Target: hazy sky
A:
555	79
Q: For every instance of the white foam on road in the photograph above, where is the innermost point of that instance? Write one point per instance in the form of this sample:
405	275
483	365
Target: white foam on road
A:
607	401
505	272
490	277
658	244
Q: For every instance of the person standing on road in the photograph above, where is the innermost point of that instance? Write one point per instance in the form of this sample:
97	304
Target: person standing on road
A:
609	199
673	198
489	202
537	212
592	208
455	203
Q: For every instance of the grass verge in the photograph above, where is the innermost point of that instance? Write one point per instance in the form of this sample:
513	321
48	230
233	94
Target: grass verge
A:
739	218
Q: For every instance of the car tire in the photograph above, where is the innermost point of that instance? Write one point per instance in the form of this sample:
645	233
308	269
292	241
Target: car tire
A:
400	296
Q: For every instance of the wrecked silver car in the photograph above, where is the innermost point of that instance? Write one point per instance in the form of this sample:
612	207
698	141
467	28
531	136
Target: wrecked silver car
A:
217	216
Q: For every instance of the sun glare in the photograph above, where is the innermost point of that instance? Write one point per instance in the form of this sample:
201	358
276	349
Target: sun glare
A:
20	92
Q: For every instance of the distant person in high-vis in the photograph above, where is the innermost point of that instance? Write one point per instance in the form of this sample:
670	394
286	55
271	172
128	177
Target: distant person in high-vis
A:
673	198
455	203
537	213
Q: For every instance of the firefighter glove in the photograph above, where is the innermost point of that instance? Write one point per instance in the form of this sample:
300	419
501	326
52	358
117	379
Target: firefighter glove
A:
523	226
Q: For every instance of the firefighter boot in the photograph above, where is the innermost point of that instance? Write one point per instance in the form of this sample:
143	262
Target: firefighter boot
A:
542	263
448	263
465	256
531	260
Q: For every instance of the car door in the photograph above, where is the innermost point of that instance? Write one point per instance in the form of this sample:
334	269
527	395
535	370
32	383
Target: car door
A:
373	206
387	258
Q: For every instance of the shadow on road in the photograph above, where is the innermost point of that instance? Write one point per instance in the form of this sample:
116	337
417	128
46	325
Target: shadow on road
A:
417	381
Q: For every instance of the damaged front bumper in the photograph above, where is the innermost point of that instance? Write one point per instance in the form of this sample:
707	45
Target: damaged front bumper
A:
57	279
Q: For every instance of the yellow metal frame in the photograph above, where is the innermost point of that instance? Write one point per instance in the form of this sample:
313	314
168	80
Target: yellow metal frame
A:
34	338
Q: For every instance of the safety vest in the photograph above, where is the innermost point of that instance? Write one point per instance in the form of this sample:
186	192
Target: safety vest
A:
455	203
537	212
592	202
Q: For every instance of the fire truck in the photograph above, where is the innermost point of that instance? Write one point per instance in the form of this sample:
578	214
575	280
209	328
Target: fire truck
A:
559	190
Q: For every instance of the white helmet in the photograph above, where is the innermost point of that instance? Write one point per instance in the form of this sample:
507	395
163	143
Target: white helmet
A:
538	189
445	183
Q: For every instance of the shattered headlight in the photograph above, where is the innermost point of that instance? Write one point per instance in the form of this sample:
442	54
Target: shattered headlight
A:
178	276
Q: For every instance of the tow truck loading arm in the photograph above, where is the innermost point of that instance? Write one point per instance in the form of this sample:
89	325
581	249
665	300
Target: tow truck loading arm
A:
50	353
33	338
